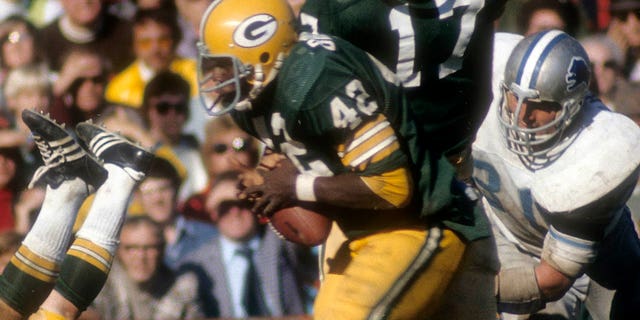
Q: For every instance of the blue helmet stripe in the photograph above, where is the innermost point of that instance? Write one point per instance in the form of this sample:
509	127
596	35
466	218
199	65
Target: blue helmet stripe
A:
535	55
543	56
525	57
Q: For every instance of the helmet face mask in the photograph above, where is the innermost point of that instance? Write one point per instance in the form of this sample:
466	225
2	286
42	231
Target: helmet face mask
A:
241	48
222	81
524	140
548	71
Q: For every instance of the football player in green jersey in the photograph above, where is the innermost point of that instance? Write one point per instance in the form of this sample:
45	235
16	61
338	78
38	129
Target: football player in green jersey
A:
441	51
336	113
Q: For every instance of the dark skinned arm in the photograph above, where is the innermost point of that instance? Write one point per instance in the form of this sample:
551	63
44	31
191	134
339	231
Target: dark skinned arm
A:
343	190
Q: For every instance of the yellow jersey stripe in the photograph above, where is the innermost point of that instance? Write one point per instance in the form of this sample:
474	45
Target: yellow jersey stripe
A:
372	142
376	143
373	151
47	315
367	134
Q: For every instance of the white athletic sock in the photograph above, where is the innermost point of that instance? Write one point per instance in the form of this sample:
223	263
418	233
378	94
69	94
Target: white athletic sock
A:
108	211
50	234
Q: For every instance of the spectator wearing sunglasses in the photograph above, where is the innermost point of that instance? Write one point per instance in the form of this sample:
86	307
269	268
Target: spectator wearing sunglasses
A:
223	264
79	88
613	89
166	110
226	147
156	35
624	30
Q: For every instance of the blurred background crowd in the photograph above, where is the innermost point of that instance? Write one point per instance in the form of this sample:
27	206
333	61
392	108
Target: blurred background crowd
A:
131	64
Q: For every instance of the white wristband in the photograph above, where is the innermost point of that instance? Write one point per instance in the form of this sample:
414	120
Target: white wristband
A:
304	187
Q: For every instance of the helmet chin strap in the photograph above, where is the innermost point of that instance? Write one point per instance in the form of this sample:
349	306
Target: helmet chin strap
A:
277	64
259	81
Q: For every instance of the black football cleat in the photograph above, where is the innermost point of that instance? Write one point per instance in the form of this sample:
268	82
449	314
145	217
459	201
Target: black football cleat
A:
113	148
63	157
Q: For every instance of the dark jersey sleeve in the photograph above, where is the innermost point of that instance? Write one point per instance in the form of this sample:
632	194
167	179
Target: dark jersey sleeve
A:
440	51
328	94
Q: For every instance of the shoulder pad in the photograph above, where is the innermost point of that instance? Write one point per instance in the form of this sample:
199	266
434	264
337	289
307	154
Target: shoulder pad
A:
602	158
297	77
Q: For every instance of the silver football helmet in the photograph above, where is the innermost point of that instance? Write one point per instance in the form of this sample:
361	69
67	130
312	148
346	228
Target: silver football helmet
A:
549	66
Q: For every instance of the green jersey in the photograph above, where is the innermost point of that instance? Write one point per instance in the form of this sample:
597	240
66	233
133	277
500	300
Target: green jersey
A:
325	89
441	51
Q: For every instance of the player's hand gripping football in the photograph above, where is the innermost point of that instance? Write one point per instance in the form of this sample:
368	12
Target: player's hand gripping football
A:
271	186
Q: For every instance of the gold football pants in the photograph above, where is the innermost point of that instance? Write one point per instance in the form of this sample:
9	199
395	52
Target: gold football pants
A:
46	315
396	274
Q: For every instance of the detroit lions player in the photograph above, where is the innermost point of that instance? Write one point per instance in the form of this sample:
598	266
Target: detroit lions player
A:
556	168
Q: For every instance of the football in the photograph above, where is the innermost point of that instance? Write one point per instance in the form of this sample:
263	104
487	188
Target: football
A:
301	225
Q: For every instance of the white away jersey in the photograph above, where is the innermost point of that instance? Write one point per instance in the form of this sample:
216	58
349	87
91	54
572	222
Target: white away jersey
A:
594	176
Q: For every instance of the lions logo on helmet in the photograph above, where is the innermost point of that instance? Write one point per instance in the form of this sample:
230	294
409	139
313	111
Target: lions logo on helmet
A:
578	74
242	44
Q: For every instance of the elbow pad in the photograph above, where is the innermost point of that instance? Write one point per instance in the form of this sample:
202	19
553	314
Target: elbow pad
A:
566	253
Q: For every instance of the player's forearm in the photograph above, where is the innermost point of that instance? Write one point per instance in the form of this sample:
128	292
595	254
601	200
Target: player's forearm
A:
551	282
347	190
517	291
526	289
353	191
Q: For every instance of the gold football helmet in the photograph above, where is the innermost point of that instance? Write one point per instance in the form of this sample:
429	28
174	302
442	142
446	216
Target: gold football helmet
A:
242	44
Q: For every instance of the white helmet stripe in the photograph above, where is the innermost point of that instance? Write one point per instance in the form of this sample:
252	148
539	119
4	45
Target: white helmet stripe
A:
532	60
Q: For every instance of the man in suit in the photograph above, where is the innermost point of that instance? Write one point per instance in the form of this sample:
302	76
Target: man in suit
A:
224	265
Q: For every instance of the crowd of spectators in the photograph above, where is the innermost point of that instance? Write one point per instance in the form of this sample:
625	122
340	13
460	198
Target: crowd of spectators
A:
131	64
